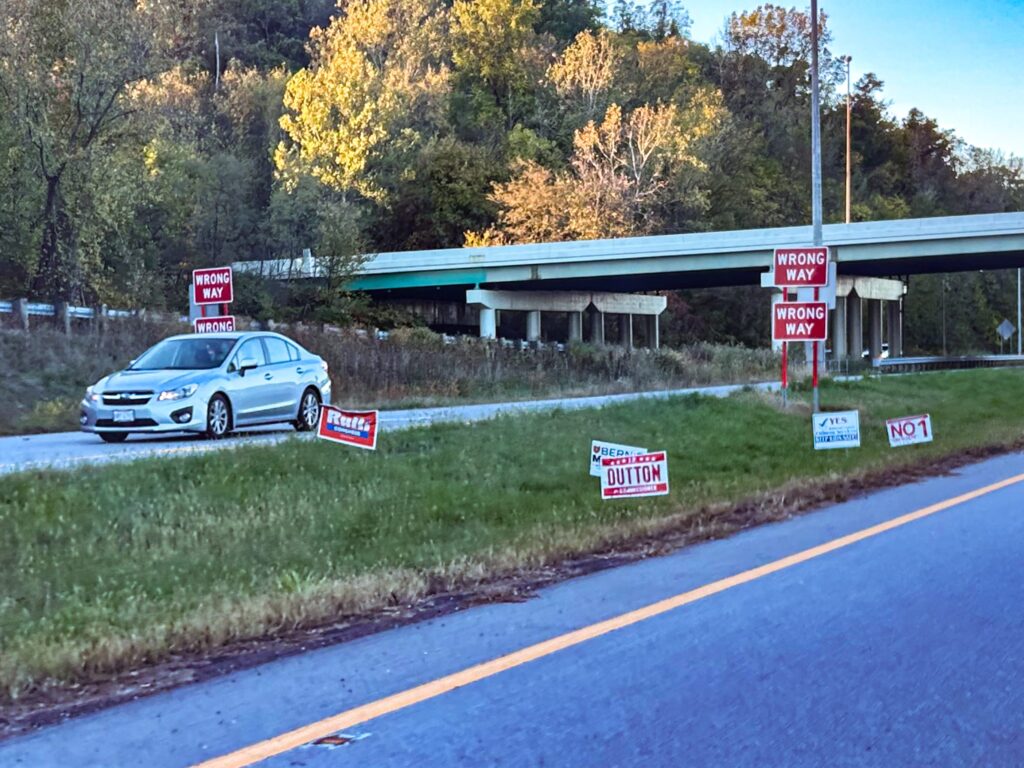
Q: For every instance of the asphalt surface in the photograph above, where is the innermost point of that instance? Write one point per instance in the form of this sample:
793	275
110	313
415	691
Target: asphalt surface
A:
902	649
63	450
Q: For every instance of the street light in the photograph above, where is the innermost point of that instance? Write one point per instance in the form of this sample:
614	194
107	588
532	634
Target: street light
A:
847	60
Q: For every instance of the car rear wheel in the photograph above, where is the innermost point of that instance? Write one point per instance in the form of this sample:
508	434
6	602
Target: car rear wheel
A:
113	437
218	417
309	411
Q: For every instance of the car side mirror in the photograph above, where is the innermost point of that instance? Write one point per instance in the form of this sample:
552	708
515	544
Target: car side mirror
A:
247	364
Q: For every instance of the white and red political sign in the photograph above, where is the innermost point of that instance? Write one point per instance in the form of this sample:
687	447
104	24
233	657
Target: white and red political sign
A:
358	428
212	286
800	267
909	430
799	321
632	476
223	324
601	450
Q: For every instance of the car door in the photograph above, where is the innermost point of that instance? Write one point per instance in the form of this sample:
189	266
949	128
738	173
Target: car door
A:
282	383
246	390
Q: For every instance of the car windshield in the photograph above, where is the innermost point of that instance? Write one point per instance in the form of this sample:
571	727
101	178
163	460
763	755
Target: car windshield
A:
184	354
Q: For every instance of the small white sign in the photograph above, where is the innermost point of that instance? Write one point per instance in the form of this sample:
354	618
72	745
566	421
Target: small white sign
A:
633	476
836	430
601	450
909	430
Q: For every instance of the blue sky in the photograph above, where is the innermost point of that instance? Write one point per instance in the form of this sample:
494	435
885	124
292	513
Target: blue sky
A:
961	63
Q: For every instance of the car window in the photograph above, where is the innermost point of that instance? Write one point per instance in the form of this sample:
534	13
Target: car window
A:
185	354
277	350
252	349
293	352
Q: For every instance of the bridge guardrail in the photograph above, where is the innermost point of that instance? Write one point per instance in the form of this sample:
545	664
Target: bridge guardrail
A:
948	362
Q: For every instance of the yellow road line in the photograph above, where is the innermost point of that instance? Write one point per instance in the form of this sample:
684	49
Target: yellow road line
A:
361	714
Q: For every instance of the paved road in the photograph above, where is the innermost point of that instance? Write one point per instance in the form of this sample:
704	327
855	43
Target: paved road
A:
903	646
68	449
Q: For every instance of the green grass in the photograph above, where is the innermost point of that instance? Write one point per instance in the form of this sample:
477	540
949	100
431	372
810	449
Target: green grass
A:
109	567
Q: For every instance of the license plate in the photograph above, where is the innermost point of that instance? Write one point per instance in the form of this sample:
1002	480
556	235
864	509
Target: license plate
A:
123	417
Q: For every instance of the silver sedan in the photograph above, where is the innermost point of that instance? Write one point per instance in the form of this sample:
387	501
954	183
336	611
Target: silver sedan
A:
211	384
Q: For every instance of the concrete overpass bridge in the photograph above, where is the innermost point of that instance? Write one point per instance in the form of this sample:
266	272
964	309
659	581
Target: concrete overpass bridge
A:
468	286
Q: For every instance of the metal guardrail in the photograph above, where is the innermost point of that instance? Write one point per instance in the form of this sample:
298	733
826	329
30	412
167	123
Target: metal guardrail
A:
39	309
907	364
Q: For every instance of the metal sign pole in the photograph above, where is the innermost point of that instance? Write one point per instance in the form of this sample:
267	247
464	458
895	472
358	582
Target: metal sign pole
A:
1018	314
815	166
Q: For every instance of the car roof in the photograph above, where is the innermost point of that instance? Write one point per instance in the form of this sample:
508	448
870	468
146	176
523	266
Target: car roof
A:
227	335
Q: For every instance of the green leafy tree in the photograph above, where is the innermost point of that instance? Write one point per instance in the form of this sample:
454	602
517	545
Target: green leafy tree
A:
64	71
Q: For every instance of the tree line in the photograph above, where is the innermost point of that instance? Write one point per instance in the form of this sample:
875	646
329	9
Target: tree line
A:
140	139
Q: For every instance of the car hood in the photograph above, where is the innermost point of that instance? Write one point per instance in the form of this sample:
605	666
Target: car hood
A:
156	381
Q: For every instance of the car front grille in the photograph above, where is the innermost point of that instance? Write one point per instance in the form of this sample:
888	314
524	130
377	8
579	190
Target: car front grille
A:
138	423
127	398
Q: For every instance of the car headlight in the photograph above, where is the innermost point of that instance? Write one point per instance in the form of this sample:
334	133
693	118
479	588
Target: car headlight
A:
180	393
92	395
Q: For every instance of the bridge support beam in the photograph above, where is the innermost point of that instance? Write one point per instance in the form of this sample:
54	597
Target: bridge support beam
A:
575	326
895	327
575	303
597	327
533	325
875	326
854	326
839	350
488	323
653	332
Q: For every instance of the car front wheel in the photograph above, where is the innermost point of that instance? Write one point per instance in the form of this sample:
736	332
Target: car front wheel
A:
218	417
309	411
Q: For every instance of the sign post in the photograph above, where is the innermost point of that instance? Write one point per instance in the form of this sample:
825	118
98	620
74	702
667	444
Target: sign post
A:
799	268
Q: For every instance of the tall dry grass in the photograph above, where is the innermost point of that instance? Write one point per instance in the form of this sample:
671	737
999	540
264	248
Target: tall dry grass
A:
46	372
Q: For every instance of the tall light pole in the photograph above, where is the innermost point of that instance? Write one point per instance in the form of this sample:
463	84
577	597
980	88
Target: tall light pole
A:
1019	318
847	59
815	173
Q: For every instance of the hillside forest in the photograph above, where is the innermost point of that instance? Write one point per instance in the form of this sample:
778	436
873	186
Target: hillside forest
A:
140	139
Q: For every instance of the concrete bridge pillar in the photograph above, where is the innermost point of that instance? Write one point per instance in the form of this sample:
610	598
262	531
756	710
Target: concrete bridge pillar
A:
575	326
597	327
875	326
895	323
626	331
839	349
653	330
488	323
533	325
854	326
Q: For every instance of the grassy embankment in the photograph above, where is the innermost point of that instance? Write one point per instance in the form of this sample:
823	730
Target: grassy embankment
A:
45	373
105	568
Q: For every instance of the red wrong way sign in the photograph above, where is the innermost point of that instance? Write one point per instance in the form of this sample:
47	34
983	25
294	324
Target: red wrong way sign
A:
212	286
800	267
800	321
224	324
633	476
358	428
909	430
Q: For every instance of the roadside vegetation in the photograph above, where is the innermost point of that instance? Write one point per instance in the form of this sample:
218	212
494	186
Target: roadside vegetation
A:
47	372
108	568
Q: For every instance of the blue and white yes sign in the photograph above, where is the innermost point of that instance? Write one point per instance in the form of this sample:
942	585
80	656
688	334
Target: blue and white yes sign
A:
600	450
836	430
